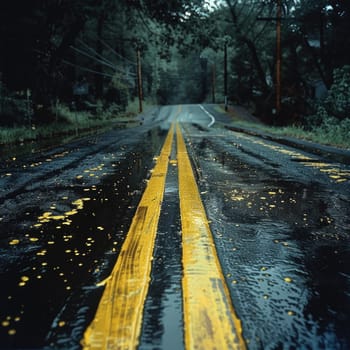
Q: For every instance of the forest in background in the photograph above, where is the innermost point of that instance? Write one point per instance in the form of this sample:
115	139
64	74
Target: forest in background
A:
81	56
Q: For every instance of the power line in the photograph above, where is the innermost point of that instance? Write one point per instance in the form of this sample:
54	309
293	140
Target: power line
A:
102	61
86	69
96	53
117	54
92	57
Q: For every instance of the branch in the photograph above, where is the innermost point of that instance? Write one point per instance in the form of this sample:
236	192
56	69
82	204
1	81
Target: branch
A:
116	53
263	27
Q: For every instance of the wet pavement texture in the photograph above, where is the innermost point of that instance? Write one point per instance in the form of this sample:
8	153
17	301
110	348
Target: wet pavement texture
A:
280	218
64	215
163	325
281	223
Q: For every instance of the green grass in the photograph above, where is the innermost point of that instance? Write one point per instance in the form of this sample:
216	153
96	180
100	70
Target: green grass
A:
334	135
74	123
9	135
23	134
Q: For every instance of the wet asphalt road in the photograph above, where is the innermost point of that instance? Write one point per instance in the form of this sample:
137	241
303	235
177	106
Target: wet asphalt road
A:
280	218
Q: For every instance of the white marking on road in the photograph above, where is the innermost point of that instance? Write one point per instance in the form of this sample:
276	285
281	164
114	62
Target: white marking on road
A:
210	116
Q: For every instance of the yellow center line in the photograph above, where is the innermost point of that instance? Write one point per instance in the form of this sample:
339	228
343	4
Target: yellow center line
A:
117	323
209	316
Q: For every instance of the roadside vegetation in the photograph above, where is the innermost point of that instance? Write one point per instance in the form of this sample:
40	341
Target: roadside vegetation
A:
330	122
331	132
75	123
322	129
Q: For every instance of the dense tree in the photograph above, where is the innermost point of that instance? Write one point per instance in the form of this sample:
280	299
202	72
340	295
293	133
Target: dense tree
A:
35	38
312	43
324	25
50	46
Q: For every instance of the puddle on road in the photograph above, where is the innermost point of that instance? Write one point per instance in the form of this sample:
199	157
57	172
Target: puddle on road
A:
284	247
51	268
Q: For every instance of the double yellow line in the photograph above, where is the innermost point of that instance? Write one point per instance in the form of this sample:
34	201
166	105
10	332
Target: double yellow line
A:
209	318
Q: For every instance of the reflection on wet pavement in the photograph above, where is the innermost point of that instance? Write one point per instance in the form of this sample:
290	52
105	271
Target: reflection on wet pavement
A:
332	170
60	237
283	244
280	220
162	326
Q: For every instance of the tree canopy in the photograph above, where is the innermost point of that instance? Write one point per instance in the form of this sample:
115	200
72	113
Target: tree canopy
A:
53	48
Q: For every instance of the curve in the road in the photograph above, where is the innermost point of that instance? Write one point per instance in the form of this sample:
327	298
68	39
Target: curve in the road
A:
212	119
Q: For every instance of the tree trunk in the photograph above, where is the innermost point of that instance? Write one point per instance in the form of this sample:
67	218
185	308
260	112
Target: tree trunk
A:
323	75
259	69
251	47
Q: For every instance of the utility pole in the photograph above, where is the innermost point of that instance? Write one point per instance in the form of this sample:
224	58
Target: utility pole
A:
278	84
139	79
225	75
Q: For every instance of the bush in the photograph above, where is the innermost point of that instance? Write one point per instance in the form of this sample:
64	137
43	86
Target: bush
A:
15	107
65	114
333	131
338	101
331	121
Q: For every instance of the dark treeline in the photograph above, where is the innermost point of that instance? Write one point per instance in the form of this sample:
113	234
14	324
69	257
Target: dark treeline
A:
315	52
83	54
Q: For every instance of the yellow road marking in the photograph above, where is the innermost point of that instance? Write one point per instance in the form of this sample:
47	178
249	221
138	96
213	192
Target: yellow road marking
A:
117	323
210	320
336	174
